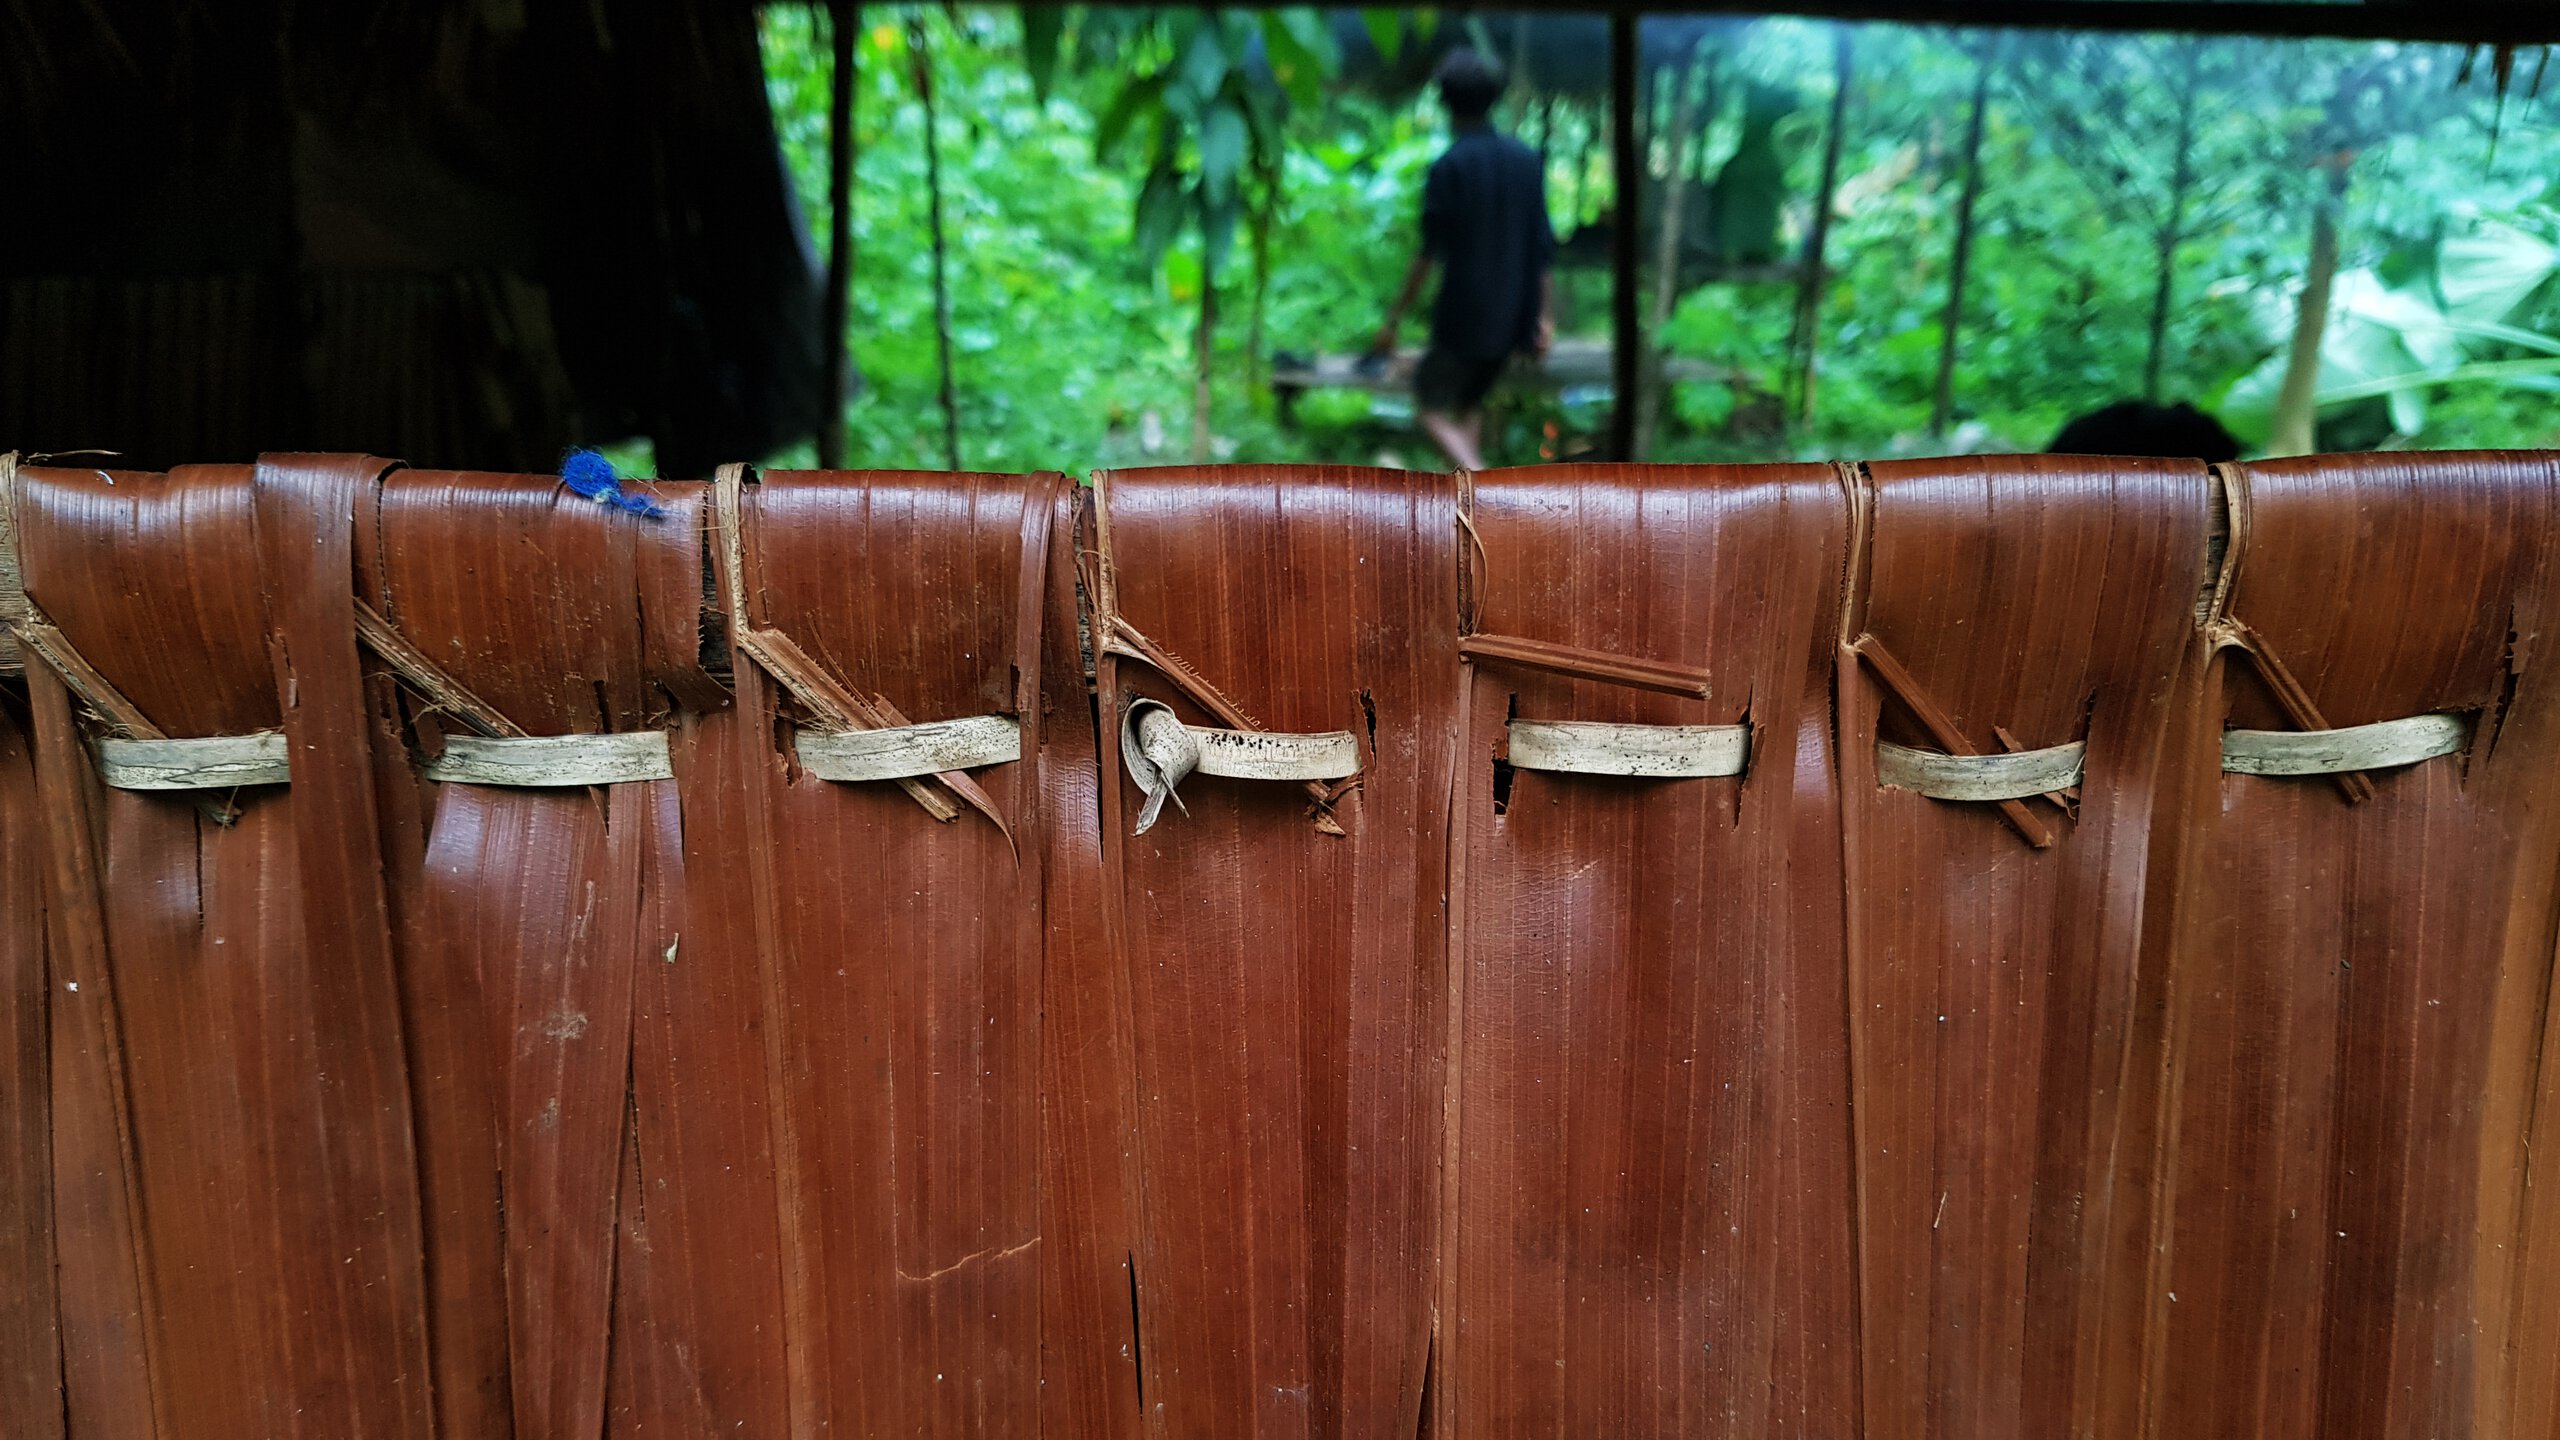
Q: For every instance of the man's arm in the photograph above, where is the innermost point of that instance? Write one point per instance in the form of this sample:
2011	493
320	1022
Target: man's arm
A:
1415	276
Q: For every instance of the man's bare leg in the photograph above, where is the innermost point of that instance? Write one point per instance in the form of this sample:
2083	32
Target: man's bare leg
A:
1457	436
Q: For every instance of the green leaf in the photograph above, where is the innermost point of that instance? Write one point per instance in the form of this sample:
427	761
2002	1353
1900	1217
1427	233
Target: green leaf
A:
1299	70
2487	273
1182	276
2505	372
1204	62
2408	410
1160	214
1386	31
1222	150
2528	339
1042	28
1217	235
2248	406
1262	112
1305	24
1141	94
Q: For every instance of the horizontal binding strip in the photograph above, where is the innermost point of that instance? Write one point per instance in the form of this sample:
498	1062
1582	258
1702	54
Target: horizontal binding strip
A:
1941	776
2378	746
216	762
1267	755
1161	752
906	751
1596	747
542	761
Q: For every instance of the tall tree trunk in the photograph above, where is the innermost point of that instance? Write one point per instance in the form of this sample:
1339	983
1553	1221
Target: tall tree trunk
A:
844	24
1626	204
2172	231
919	46
1666	264
1804	337
1950	329
1204	353
2297	402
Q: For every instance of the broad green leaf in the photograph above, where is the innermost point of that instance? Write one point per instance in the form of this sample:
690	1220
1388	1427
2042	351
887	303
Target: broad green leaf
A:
1182	277
1262	114
1299	70
1217	235
2509	334
2522	373
2375	330
1161	207
1386	31
1142	93
1307	27
1042	27
2248	408
2408	410
1222	150
2486	274
1204	62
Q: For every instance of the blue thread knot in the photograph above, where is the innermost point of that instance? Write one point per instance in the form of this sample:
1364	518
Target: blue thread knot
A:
590	474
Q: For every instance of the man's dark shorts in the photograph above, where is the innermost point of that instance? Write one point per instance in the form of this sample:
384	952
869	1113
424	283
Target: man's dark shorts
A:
1455	384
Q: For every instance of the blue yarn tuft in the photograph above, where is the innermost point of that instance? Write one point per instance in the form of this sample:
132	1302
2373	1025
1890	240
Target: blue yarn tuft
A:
590	474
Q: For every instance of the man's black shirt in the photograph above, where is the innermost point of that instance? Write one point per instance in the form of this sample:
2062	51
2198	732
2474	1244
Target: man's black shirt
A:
1484	218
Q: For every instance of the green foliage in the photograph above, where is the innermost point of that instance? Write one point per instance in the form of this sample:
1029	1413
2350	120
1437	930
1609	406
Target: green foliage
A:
1101	164
1751	189
1062	346
1043	28
1205	95
2427	318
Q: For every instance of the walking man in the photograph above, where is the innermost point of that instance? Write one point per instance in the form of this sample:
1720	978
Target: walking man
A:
1484	225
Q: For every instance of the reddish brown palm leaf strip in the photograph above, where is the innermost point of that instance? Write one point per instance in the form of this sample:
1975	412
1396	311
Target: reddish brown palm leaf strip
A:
809	683
1584	664
1721	1011
30	1306
108	1381
1088	1059
1286	993
94	690
2363	1029
40	638
363	1276
441	690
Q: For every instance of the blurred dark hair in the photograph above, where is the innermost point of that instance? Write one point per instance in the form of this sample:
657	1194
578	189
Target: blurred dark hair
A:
2135	427
1469	83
